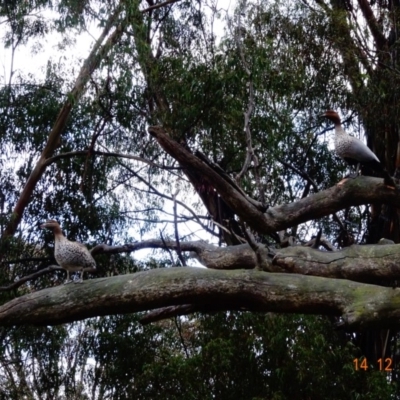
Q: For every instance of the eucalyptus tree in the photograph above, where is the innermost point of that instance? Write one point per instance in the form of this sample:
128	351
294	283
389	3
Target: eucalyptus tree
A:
167	125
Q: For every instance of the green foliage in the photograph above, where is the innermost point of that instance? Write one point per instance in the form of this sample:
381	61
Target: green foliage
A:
168	68
227	356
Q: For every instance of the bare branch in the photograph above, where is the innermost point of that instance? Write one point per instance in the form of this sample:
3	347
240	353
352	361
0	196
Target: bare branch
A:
30	277
166	247
38	274
149	244
250	104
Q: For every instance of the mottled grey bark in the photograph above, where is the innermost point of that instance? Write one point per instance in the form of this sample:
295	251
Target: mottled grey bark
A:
359	304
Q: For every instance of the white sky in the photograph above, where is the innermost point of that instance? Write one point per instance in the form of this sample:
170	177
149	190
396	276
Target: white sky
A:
33	58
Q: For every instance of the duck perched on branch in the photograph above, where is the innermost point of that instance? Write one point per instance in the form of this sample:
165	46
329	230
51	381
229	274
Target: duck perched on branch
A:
72	256
354	151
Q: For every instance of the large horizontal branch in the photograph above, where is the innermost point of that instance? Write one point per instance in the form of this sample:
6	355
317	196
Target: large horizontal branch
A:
367	263
360	263
214	257
197	246
349	192
359	305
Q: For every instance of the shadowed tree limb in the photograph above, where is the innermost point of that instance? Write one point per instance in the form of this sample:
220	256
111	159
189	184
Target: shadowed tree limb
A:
361	263
350	192
367	263
359	305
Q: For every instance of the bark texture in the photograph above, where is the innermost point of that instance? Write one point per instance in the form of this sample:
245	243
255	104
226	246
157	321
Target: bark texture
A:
358	304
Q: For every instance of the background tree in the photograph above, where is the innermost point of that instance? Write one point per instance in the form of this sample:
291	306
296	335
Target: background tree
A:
242	108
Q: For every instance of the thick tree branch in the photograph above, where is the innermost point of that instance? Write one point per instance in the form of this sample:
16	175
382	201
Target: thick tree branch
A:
229	193
370	264
225	175
360	305
151	244
350	192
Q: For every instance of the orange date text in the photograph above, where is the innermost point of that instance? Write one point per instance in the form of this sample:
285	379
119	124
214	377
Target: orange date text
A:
384	364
